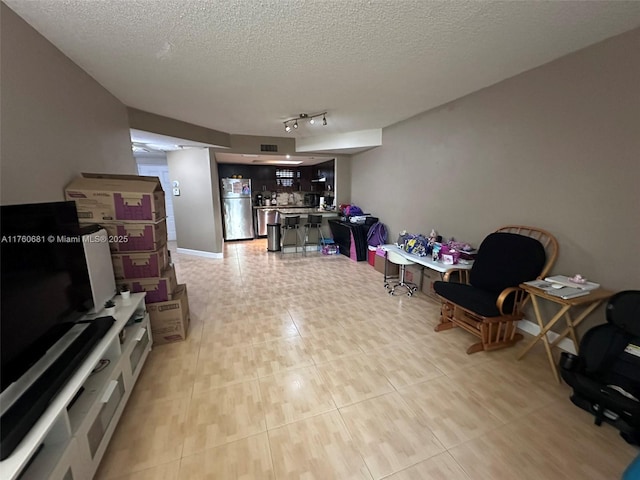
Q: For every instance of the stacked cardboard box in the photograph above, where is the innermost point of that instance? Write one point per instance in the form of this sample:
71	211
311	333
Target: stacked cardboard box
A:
132	210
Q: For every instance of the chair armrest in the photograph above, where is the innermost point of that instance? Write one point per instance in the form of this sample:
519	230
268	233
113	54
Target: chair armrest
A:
463	274
519	296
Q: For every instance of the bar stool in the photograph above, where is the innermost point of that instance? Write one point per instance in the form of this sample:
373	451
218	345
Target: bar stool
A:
314	222
290	225
402	262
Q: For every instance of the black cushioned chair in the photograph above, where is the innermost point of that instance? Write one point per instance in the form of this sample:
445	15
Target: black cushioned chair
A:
487	300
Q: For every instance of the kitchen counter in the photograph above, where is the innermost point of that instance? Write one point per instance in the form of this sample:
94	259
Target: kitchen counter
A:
284	211
306	211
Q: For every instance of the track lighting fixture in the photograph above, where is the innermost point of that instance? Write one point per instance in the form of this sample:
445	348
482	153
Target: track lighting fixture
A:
304	116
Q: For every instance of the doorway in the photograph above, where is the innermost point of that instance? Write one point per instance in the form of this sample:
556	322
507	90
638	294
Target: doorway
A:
162	172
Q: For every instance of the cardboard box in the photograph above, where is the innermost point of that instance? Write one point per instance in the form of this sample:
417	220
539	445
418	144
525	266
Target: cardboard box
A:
170	320
136	237
112	198
392	268
159	289
428	278
140	264
413	274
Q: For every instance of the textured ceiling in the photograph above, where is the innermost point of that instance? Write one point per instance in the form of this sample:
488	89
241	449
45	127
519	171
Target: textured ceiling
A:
245	66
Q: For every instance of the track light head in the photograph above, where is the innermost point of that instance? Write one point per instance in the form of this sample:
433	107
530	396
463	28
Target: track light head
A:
295	124
287	128
324	119
312	121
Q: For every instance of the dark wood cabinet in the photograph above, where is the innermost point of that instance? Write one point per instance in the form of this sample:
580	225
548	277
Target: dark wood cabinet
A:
263	177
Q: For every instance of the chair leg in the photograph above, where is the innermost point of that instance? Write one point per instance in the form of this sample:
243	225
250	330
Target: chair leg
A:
410	286
320	238
446	317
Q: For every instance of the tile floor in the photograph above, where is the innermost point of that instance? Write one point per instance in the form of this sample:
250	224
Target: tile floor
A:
304	368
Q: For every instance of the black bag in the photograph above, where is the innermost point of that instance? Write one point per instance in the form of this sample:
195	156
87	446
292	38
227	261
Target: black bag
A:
605	377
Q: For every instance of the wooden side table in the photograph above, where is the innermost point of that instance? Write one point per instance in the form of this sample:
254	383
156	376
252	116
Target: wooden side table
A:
587	303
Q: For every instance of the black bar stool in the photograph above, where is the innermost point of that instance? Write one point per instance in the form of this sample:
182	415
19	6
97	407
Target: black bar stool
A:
314	224
290	225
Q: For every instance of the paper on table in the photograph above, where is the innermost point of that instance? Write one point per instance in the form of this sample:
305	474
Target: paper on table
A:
564	280
562	292
567	292
541	284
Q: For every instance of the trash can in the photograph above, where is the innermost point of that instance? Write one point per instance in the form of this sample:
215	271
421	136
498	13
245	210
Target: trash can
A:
273	237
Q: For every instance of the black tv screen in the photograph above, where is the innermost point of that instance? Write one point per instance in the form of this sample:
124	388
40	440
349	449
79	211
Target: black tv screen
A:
44	283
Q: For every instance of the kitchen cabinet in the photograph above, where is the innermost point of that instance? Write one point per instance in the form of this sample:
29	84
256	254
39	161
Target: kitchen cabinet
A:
263	177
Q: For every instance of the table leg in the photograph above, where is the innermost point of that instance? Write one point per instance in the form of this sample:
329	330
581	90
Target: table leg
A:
543	333
572	324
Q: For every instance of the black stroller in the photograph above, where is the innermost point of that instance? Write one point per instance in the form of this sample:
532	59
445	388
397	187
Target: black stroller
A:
605	376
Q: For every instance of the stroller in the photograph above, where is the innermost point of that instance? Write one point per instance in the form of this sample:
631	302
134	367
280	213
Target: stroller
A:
605	376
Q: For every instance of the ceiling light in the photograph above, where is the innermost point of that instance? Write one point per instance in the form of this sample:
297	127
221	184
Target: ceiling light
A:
278	162
304	116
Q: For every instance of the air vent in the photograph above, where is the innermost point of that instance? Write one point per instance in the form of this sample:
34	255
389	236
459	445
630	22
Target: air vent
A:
268	148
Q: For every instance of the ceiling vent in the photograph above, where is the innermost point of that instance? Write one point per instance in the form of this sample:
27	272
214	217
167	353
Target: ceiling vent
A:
268	148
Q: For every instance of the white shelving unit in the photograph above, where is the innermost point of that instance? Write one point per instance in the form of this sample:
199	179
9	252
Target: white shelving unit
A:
70	438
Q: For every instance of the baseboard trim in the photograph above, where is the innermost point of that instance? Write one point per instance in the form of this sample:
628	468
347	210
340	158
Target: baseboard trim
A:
199	253
534	329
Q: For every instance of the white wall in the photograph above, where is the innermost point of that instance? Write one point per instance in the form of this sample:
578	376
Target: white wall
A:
195	213
555	147
56	120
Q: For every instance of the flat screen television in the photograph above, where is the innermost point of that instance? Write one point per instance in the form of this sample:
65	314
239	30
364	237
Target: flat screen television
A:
44	284
45	291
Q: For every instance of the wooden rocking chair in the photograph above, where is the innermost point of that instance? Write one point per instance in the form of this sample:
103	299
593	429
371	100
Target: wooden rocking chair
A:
486	300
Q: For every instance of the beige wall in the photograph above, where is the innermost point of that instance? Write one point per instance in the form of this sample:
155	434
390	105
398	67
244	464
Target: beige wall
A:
56	120
193	209
556	147
342	179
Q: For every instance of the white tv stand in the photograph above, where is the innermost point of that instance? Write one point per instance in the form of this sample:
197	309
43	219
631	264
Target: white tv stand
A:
70	438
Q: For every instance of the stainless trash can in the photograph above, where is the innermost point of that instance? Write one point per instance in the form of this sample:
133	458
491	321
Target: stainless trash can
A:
273	237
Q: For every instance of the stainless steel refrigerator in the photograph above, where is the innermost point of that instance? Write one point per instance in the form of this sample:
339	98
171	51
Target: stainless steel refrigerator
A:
237	209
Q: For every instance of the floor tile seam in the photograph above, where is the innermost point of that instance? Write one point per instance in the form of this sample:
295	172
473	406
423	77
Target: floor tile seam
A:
137	470
284	370
226	384
219	387
218	445
353	442
301	419
494	426
344	426
339	357
397	389
362	400
293	369
260	386
391	390
530	384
